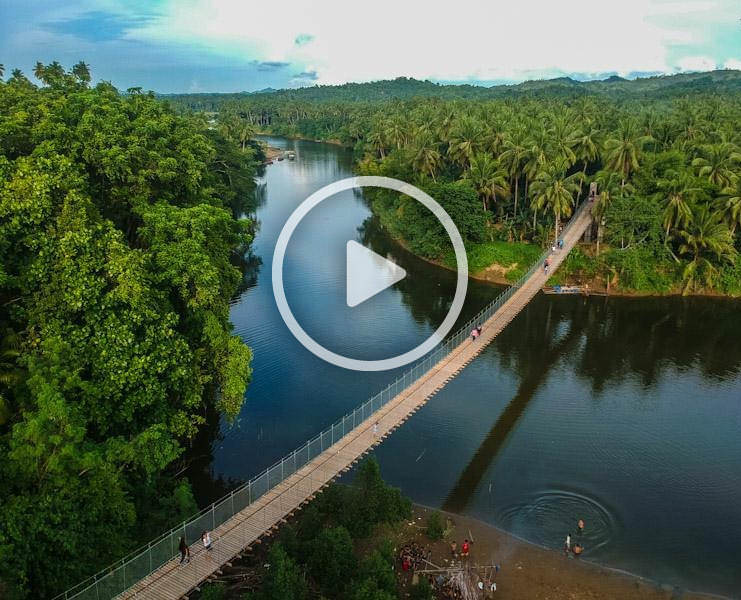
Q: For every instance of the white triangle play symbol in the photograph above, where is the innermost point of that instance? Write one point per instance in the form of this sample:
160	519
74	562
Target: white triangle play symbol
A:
368	273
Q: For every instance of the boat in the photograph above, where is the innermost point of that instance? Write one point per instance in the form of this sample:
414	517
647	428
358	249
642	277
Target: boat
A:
290	155
573	289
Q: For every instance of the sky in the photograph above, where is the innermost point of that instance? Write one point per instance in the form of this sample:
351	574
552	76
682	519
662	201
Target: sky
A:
242	45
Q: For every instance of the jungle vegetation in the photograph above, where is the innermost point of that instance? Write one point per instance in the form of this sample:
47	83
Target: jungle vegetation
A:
510	163
120	228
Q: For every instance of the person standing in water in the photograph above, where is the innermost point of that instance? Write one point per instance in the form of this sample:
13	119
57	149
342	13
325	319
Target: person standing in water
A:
580	526
567	544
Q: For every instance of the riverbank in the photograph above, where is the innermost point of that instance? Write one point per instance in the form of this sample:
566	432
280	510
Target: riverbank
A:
519	256
531	572
333	141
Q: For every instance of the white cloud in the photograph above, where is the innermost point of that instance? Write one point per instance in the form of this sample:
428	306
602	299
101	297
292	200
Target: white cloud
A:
696	63
343	40
387	38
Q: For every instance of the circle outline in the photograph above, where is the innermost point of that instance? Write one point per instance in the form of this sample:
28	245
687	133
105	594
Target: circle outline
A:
353	363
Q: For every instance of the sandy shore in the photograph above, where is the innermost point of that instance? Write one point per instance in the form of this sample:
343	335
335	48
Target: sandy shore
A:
529	572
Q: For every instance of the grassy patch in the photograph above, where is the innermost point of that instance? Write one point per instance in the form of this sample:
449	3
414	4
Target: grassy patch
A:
504	254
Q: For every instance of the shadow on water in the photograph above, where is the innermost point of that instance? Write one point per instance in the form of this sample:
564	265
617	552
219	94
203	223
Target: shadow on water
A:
543	355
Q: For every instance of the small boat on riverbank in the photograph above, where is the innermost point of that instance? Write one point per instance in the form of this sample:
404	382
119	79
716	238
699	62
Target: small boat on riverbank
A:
573	289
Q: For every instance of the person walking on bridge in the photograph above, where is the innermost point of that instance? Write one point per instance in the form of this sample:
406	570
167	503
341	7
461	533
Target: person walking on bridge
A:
184	551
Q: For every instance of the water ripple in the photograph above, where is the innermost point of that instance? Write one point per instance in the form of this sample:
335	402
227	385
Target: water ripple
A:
546	517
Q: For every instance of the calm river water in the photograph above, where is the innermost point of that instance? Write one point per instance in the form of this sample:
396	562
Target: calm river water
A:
623	412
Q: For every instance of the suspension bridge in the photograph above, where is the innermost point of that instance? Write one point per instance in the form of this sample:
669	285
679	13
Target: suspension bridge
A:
256	509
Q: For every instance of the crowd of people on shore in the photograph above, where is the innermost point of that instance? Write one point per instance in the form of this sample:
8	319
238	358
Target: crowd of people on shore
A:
413	556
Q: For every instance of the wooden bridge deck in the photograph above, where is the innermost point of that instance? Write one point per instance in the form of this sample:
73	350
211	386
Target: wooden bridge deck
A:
172	581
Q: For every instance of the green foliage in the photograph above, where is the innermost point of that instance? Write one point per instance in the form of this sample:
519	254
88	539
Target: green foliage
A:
656	147
284	580
421	591
322	539
515	257
435	527
332	560
213	591
117	234
420	229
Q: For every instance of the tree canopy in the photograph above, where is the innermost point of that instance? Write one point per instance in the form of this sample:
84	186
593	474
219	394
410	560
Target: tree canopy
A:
665	148
120	225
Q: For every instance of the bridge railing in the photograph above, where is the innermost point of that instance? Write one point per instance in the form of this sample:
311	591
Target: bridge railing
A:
137	565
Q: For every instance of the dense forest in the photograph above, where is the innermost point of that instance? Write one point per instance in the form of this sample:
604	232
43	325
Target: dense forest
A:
511	162
121	232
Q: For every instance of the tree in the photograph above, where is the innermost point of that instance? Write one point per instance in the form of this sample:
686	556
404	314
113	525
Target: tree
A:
284	580
488	178
513	158
705	235
121	352
466	138
427	158
679	191
729	204
623	150
434	526
332	560
554	191
718	163
608	185
82	71
10	373
586	149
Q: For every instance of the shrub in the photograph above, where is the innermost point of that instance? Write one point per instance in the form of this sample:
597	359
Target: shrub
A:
434	526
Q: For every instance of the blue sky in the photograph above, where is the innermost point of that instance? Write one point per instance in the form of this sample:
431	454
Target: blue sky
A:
235	45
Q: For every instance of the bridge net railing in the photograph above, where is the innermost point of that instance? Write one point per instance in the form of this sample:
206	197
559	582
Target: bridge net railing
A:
123	574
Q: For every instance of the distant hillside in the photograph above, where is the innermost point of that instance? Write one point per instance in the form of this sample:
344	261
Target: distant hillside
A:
662	86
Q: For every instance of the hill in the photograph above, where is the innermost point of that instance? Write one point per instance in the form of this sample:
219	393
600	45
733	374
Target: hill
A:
402	88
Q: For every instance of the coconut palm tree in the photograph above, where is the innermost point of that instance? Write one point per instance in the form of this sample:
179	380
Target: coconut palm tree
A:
564	136
679	192
377	141
718	162
553	190
466	138
586	149
513	158
705	235
396	132
488	177
729	204
608	184
427	158
623	150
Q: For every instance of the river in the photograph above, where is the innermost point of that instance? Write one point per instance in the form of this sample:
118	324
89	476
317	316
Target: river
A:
623	412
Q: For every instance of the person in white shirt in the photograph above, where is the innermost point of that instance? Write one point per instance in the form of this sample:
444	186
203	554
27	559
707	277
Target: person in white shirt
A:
206	539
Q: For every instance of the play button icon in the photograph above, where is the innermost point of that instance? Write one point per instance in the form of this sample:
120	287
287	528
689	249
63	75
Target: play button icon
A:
368	273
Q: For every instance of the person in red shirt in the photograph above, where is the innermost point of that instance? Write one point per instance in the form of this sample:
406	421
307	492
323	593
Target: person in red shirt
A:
465	548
